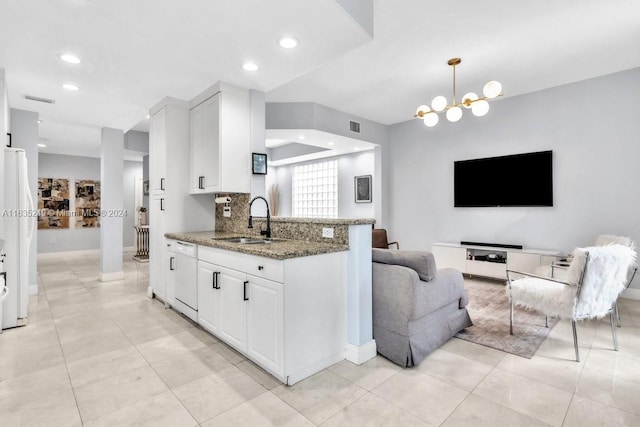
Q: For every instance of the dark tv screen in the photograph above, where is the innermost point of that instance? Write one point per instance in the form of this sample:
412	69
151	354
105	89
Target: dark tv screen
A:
515	180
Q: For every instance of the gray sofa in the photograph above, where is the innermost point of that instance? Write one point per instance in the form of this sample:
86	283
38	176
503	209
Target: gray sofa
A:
416	307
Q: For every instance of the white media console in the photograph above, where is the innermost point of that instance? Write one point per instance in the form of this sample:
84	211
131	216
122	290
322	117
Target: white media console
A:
490	261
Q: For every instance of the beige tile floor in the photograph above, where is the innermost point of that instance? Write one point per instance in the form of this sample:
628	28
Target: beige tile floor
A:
103	354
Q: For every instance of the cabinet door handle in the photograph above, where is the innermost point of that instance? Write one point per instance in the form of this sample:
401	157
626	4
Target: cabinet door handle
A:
246	297
260	267
216	285
9	139
171	267
162	204
162	183
201	182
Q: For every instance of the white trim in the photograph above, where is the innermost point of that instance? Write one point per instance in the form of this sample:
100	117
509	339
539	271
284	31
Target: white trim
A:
33	289
49	255
360	354
109	277
631	293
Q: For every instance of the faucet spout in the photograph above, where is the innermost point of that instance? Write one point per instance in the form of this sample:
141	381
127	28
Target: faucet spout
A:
266	232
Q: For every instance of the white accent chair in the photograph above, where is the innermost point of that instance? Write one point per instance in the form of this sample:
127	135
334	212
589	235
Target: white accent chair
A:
595	278
558	270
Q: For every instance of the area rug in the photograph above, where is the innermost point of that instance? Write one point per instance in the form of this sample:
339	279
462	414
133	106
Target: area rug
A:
489	310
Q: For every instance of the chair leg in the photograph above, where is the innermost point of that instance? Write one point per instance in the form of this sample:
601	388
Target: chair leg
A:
546	321
617	311
614	333
575	340
511	317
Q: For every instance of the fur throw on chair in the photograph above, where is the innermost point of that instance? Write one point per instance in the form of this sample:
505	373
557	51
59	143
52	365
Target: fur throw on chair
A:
604	279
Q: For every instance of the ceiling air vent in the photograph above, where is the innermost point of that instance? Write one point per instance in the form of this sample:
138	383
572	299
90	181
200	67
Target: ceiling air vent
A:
37	99
354	126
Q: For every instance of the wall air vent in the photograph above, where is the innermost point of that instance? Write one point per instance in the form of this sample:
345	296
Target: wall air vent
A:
354	126
38	99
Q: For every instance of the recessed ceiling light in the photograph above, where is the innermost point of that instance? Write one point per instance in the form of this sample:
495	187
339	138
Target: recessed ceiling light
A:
148	116
69	57
288	42
356	149
39	121
301	137
70	86
330	143
250	66
42	145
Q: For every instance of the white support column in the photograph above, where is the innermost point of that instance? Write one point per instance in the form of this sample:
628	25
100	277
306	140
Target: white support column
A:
112	201
360	343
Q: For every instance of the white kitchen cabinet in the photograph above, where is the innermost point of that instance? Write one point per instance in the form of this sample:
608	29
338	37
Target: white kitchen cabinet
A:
204	146
171	206
233	324
220	140
265	322
157	152
170	274
157	255
288	316
209	300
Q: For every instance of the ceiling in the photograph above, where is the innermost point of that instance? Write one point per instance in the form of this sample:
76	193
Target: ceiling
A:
134	53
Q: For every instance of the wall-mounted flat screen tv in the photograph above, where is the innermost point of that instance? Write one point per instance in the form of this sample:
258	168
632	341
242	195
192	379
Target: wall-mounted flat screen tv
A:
515	180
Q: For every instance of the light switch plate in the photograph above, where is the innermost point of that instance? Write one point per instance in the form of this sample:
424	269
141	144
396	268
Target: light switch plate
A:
226	211
327	232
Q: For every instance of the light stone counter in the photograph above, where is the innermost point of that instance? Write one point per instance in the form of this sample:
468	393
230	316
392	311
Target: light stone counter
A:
277	249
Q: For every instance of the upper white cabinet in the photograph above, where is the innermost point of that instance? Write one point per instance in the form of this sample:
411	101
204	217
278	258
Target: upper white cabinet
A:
220	140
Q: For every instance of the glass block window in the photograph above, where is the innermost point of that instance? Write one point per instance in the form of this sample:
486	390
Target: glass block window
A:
315	190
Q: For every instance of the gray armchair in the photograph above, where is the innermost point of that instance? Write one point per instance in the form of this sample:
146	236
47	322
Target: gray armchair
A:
416	307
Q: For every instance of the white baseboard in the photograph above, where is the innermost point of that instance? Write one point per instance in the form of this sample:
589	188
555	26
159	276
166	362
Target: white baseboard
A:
49	255
33	289
109	277
631	293
360	354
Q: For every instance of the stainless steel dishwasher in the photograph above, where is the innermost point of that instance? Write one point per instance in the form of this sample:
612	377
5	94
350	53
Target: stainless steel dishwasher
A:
185	265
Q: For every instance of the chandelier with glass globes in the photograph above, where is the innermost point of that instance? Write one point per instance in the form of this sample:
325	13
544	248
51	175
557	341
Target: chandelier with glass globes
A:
453	112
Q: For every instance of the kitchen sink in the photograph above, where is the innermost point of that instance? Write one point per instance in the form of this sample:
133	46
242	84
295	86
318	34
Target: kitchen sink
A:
246	240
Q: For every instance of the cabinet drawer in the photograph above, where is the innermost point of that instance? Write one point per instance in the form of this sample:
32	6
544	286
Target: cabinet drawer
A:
489	269
268	268
224	258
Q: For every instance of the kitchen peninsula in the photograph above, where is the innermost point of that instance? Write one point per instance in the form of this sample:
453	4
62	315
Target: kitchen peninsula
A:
294	304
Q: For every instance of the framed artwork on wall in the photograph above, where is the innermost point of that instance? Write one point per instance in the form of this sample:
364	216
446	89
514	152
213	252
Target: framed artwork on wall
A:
362	188
258	164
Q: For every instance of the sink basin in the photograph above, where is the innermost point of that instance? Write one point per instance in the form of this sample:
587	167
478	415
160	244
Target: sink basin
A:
246	240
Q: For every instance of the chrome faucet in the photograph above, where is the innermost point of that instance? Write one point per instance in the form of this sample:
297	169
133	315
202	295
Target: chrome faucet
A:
266	232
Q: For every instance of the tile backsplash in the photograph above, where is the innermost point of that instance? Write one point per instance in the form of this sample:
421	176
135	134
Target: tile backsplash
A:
281	227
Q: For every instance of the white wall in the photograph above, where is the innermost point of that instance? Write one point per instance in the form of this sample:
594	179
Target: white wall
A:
349	166
592	128
77	168
24	129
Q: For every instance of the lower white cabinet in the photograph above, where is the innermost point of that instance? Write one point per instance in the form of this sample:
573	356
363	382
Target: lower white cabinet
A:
170	276
490	261
208	297
244	300
233	311
265	322
243	310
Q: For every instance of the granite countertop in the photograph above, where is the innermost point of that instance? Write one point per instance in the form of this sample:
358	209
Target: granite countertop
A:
278	249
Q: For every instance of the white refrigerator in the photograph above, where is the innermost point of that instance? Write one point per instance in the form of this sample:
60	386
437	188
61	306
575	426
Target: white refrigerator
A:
19	225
